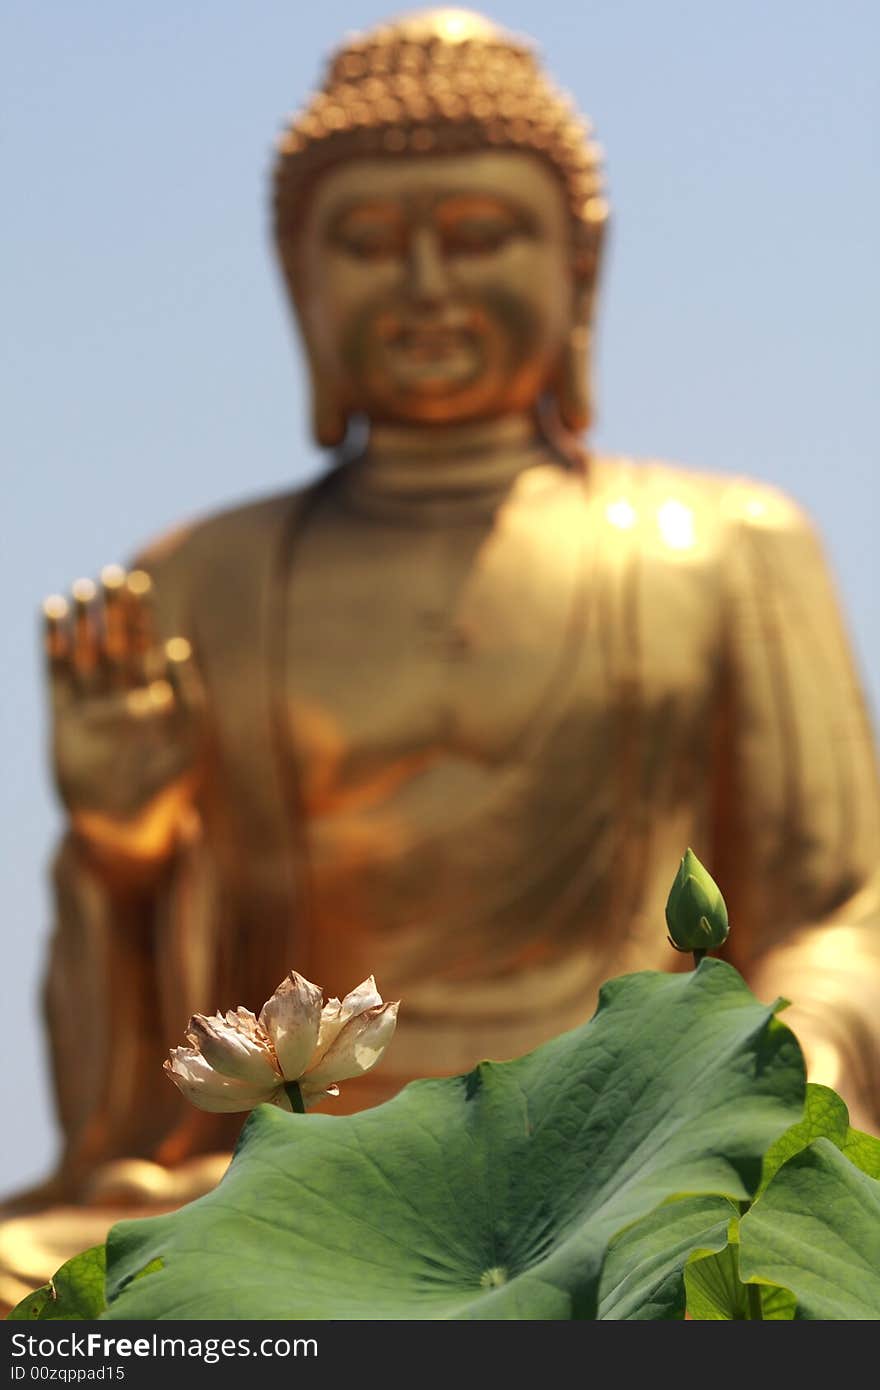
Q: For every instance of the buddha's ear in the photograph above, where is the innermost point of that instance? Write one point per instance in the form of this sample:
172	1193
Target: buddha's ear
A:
329	413
572	384
329	418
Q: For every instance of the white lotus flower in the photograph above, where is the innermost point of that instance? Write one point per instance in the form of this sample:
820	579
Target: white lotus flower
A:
236	1061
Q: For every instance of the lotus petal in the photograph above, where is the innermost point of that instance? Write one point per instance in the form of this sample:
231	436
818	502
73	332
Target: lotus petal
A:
292	1018
337	1013
357	1047
233	1051
207	1088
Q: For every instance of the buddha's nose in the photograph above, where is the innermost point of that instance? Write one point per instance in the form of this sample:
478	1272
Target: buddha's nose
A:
427	272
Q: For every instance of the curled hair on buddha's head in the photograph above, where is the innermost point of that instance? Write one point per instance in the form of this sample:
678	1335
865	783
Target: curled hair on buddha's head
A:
437	82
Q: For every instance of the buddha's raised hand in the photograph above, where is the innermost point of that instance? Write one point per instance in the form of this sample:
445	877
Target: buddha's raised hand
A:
126	716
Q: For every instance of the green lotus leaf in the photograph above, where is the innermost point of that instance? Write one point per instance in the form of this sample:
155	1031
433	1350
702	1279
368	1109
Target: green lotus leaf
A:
816	1231
75	1291
825	1117
863	1150
777	1304
491	1195
644	1272
716	1293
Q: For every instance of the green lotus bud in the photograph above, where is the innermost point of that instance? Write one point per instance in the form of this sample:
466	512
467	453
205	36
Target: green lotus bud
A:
695	911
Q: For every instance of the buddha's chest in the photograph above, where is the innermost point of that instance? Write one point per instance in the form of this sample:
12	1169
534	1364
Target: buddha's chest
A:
404	644
411	652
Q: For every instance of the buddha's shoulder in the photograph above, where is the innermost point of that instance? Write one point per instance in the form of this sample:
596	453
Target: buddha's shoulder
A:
647	489
231	535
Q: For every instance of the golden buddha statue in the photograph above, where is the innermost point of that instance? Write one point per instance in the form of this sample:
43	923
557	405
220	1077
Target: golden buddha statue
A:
452	714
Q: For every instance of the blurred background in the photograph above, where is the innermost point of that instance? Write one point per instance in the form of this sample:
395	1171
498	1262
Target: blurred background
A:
150	371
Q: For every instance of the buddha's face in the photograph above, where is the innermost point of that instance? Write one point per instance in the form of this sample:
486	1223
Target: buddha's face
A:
436	288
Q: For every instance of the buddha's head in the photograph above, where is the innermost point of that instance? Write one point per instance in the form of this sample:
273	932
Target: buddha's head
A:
439	218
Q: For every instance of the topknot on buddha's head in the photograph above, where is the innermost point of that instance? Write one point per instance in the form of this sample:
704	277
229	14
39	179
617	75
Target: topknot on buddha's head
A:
441	82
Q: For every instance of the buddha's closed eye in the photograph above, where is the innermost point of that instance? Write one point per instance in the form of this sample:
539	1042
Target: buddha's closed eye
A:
460	225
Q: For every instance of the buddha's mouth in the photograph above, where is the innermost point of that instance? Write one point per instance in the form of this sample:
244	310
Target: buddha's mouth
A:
430	344
432	357
421	360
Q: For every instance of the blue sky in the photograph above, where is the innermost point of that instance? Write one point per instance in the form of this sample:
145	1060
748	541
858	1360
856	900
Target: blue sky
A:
150	371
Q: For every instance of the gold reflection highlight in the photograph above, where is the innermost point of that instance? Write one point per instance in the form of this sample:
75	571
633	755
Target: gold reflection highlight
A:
676	525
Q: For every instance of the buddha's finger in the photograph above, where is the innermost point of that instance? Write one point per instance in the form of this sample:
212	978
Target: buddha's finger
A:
114	643
57	641
143	662
86	647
